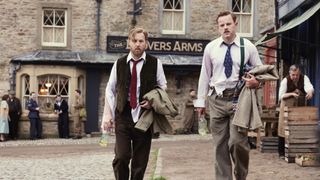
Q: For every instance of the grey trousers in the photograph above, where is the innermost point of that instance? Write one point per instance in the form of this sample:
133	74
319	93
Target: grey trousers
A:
228	143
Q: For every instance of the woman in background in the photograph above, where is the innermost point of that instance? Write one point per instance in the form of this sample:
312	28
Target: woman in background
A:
4	118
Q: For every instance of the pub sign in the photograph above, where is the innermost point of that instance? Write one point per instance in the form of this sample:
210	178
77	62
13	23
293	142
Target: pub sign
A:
194	47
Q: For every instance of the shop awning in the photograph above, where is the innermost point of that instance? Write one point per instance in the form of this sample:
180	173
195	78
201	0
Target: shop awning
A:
86	57
291	24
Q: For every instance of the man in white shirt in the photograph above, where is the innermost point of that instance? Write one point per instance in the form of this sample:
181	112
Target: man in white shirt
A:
131	77
295	85
218	77
294	90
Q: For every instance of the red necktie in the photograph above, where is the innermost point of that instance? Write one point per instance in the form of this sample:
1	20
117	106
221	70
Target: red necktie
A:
133	85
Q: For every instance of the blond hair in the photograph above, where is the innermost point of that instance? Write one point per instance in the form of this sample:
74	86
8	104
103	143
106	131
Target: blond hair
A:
136	30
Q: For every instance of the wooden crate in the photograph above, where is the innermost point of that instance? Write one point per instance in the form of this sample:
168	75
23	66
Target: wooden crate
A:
301	125
308	160
305	113
269	145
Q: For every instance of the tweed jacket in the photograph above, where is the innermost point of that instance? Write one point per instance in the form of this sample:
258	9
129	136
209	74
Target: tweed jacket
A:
161	105
247	115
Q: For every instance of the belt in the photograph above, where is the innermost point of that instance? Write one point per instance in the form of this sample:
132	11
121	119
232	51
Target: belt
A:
227	93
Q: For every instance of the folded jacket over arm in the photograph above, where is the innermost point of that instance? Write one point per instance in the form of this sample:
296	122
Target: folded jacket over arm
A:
161	105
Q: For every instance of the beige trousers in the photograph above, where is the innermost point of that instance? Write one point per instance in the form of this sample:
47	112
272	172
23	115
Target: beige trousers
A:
228	143
77	125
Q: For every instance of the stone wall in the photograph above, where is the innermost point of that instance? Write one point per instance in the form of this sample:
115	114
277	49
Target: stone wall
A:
266	14
20	23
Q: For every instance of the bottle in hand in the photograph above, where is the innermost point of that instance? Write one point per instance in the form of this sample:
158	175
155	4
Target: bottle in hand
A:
104	139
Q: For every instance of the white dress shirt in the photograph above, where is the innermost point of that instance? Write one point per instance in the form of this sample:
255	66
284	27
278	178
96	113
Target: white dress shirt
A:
283	86
212	69
111	86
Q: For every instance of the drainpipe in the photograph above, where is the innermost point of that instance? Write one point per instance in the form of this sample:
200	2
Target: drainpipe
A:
98	25
276	23
13	73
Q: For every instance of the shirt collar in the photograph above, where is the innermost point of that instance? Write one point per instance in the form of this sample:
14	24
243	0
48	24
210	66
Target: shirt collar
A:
236	41
130	56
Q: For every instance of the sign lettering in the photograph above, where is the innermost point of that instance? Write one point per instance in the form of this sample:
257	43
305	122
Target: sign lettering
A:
119	44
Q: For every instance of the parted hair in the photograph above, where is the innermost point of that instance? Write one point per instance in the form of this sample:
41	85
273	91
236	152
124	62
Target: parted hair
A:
136	30
226	13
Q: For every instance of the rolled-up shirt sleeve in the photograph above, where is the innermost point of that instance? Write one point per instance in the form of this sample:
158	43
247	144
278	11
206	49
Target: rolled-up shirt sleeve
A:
204	79
307	84
161	78
283	88
110	94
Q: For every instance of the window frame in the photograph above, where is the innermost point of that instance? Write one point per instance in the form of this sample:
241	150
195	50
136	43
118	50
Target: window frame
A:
174	32
46	99
25	90
240	14
67	34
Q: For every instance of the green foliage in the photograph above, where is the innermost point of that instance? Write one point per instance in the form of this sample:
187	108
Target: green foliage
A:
159	178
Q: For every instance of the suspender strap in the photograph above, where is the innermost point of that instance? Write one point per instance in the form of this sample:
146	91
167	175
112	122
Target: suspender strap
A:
242	57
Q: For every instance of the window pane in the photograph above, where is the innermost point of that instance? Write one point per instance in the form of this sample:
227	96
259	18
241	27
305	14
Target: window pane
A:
178	4
47	34
167	20
64	84
25	91
59	35
48	17
59	18
168	4
245	23
54	85
246	6
236	5
26	85
178	21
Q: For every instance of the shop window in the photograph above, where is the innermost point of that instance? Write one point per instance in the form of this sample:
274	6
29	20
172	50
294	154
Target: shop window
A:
48	87
173	17
25	90
55	27
243	9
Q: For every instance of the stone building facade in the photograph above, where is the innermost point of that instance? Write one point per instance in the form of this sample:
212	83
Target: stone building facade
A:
56	46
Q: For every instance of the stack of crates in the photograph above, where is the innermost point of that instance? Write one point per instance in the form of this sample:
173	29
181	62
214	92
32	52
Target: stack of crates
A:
301	137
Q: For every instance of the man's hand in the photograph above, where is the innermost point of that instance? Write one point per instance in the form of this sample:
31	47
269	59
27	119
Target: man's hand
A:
201	110
145	104
105	125
251	81
290	94
309	95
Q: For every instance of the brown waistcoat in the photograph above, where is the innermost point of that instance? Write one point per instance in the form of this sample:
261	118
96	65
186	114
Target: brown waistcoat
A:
291	86
148	79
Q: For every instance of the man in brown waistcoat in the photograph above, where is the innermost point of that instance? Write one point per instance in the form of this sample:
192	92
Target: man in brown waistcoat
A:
294	90
77	120
131	77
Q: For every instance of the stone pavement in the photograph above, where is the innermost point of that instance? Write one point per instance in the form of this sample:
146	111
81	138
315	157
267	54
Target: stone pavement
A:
174	157
69	159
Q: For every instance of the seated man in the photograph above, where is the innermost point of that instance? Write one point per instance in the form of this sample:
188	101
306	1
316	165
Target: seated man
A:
295	90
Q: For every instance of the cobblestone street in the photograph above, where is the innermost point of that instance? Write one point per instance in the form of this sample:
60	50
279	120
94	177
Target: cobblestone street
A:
177	157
